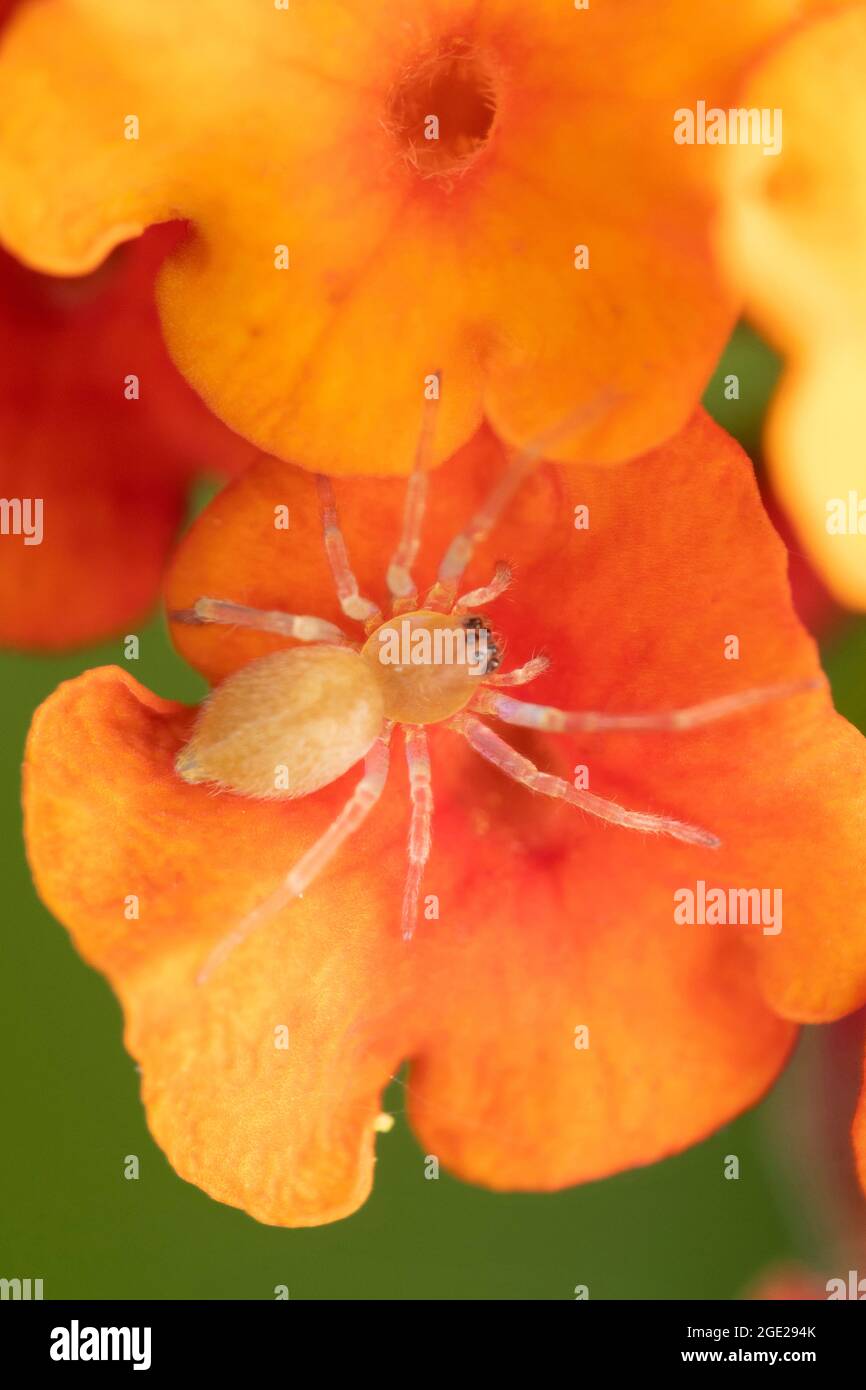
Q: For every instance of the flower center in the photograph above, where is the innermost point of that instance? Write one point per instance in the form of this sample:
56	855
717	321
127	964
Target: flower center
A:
442	108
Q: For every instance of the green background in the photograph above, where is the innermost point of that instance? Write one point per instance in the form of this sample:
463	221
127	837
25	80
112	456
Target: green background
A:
71	1114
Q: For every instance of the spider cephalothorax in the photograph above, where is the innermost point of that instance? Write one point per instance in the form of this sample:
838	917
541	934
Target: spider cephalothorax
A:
292	722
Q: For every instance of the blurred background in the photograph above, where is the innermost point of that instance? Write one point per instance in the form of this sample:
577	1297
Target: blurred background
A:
71	1113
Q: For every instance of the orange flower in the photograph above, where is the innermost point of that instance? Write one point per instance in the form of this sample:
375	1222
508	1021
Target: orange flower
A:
788	1282
794	239
263	1067
100	439
382	190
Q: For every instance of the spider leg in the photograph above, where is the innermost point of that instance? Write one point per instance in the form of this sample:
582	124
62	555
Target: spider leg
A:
513	764
299	626
310	865
444	592
552	720
401	585
521	675
351	601
478	598
456	559
421	792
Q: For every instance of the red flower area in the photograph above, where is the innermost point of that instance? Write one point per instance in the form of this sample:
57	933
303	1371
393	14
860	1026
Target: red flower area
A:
100	438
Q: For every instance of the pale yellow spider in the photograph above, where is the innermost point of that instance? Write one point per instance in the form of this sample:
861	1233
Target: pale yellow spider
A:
290	723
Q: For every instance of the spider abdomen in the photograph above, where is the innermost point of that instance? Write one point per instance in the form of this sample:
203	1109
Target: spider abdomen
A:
286	724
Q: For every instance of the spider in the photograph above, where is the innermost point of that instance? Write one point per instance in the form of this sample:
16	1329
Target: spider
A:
287	724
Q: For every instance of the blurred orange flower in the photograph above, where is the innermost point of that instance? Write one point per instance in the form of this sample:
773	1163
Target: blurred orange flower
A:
793	236
560	1023
381	190
100	438
788	1282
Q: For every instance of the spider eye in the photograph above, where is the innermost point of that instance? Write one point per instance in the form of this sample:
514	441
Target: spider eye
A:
476	623
494	659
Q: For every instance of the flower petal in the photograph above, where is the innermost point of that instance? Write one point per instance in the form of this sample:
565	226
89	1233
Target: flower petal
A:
286	1132
271	130
792	238
509	1090
109	472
